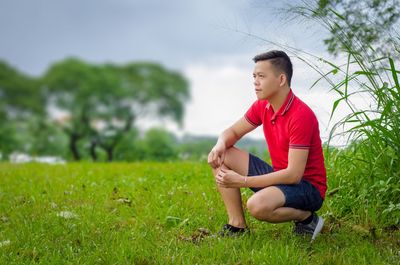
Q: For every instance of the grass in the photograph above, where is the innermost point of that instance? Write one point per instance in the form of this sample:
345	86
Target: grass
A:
160	213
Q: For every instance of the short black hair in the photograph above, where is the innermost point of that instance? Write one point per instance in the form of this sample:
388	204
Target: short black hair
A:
280	60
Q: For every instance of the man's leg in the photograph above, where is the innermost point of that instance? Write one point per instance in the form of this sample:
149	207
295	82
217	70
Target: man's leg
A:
267	205
236	160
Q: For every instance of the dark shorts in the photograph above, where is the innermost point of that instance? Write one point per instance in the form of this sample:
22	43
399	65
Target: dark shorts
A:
303	196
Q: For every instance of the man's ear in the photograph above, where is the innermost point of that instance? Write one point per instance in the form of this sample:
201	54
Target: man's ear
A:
282	79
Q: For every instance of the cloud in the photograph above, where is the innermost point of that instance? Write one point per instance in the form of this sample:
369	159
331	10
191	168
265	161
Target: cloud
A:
36	33
222	90
220	95
198	38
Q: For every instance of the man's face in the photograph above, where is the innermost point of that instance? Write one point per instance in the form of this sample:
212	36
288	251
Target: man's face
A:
266	80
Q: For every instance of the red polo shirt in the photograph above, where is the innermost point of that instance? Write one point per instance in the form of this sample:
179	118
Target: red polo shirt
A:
294	125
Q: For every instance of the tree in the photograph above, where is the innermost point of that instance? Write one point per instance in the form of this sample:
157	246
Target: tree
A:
20	100
104	101
159	144
130	148
360	26
68	86
19	94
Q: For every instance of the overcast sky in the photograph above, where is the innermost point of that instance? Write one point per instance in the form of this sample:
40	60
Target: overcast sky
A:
199	38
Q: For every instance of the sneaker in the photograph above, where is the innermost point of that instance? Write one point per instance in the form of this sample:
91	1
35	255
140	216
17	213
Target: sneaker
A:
313	228
230	230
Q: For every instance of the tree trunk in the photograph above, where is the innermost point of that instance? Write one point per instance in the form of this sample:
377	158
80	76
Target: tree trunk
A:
93	153
109	148
109	153
73	146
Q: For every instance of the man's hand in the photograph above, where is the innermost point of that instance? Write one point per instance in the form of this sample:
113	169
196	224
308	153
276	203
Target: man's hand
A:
217	155
229	179
228	138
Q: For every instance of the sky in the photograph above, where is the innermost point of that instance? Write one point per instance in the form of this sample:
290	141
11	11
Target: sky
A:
211	43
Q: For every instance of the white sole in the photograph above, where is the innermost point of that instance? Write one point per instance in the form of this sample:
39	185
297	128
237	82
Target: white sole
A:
318	228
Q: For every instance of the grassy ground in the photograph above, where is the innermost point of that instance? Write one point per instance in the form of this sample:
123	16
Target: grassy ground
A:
156	213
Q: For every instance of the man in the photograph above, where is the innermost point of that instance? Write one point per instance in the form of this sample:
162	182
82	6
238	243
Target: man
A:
294	187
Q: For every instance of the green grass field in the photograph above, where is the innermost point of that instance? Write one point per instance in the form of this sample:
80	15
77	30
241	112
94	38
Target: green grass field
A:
158	213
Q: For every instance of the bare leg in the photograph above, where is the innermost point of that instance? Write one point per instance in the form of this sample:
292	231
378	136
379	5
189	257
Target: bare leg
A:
233	203
237	160
266	205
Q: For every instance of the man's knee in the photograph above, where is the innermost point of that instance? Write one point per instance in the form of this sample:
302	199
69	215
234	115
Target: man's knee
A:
260	209
262	205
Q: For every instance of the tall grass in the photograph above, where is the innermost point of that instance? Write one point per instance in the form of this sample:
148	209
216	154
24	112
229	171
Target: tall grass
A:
372	132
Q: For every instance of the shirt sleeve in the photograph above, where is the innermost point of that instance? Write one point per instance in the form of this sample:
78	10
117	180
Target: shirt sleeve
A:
253	115
301	131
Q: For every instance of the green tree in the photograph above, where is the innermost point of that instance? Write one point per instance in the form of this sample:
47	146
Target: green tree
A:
19	94
368	26
68	86
20	100
159	144
129	148
45	138
104	101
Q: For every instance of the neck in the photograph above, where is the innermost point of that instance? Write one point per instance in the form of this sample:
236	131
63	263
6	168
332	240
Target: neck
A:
279	98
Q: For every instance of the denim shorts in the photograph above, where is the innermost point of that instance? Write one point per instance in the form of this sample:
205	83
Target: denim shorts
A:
303	196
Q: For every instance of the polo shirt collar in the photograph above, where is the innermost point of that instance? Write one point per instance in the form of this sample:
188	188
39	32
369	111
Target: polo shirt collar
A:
285	106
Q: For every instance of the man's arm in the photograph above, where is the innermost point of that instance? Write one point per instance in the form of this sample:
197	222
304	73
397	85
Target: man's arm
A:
235	132
290	175
227	139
